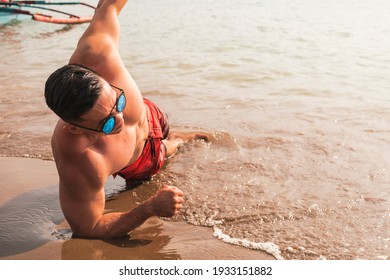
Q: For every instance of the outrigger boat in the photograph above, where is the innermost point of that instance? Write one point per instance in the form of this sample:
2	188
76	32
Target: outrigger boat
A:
10	10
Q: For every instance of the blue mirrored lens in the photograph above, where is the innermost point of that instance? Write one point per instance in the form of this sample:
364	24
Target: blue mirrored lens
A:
121	103
108	125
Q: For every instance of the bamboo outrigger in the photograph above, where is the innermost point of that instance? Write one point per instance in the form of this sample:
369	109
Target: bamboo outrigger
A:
11	9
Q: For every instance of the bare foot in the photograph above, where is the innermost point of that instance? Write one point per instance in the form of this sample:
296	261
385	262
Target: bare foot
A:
175	139
188	136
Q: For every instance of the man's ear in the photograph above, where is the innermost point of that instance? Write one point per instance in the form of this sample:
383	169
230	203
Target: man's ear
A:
72	129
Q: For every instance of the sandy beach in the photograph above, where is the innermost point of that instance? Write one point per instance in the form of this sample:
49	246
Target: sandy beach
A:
156	239
295	94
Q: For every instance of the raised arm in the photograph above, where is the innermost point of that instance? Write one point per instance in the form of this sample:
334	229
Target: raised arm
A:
98	46
98	49
105	20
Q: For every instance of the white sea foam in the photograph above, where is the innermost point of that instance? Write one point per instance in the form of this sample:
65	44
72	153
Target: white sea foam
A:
268	247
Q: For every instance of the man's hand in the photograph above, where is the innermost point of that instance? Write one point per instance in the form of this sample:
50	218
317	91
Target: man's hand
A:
167	201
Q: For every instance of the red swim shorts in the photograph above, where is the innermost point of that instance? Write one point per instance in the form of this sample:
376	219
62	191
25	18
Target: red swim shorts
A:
153	154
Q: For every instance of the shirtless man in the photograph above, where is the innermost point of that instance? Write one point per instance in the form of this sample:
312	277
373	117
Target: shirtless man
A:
107	128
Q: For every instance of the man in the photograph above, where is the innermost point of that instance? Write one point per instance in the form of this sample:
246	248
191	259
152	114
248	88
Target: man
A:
107	128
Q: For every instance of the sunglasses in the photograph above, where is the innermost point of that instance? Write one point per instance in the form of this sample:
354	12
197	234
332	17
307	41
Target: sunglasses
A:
109	122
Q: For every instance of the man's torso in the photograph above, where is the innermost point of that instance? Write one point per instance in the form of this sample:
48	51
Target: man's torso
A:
116	151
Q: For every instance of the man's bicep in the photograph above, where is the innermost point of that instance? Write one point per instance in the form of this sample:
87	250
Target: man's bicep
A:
104	24
99	39
82	203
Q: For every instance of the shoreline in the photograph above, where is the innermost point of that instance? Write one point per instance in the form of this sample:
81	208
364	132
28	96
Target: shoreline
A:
156	239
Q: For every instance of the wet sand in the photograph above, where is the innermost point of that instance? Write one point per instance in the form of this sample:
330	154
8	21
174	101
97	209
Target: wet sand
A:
155	239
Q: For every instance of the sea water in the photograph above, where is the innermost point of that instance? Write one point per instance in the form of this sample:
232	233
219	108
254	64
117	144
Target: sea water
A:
296	94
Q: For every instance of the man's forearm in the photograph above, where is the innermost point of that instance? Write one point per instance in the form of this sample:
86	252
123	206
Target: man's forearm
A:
118	4
115	225
165	203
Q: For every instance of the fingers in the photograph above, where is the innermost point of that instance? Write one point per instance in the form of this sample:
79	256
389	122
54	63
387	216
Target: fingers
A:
190	136
178	197
174	189
178	206
168	201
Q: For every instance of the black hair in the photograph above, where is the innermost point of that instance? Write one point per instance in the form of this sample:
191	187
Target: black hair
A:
72	90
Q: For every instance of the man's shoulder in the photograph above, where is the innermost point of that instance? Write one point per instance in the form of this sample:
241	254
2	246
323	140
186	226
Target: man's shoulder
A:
74	154
77	168
67	145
